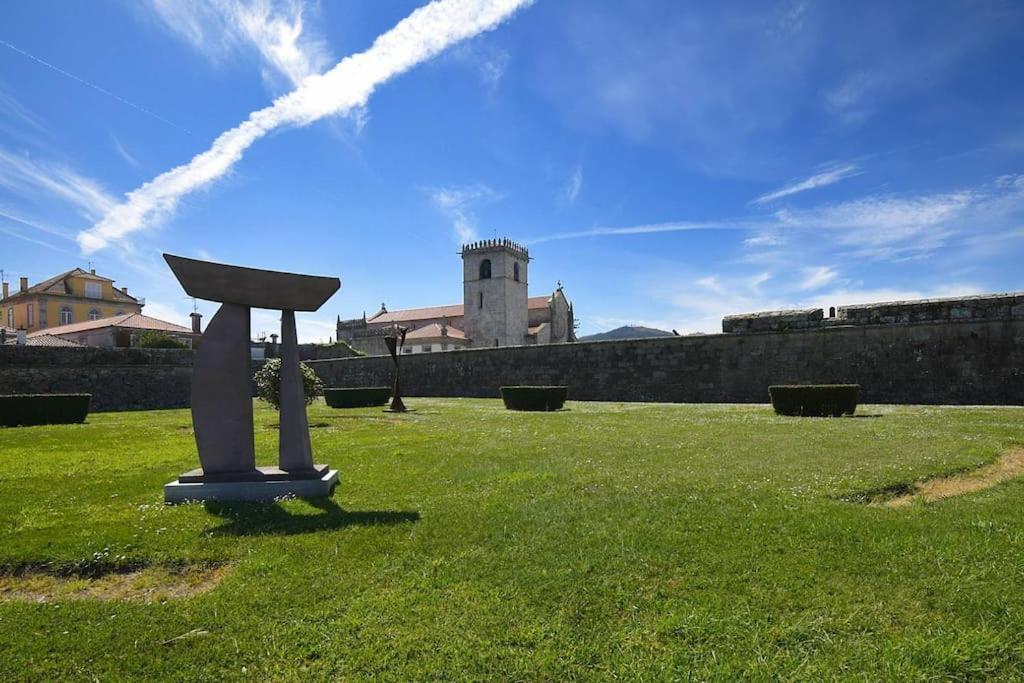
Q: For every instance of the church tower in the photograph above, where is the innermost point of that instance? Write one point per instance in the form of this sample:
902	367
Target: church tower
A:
494	277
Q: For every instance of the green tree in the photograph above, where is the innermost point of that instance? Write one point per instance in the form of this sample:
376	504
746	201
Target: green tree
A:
268	383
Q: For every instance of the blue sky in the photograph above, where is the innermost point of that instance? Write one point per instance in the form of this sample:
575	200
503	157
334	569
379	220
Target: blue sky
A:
669	162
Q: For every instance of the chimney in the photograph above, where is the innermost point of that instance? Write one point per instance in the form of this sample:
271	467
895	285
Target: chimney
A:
24	284
124	289
196	321
22	336
92	271
7	292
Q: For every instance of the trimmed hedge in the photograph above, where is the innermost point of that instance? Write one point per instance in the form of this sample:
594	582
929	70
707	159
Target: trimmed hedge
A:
534	398
815	400
43	409
359	397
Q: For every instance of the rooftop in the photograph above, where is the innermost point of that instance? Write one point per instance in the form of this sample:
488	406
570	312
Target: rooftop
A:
135	321
434	331
58	286
452	311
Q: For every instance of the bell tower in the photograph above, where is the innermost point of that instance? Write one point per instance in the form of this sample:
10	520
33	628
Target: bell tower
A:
494	277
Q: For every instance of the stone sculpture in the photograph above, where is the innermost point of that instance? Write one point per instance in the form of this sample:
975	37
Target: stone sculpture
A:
395	342
221	386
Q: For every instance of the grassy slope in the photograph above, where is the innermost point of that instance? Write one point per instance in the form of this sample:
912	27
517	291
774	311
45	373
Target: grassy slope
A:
634	540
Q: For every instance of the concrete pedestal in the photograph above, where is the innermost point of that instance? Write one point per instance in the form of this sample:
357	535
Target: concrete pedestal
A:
261	485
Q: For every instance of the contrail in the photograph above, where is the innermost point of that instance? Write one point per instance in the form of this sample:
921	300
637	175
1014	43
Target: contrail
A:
349	84
93	86
679	226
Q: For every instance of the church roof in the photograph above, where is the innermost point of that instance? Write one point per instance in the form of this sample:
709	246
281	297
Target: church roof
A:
433	331
452	311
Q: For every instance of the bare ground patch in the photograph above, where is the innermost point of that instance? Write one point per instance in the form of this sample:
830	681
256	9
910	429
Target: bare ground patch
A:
143	584
1008	466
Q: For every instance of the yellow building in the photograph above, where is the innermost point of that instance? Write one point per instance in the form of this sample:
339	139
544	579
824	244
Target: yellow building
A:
75	296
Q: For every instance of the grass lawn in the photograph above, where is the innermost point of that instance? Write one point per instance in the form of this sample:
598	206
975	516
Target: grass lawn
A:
630	541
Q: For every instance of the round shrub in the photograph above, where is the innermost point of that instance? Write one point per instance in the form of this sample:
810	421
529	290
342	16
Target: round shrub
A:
534	398
359	397
268	383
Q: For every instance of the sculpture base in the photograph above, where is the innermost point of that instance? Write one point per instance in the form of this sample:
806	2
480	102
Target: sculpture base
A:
263	484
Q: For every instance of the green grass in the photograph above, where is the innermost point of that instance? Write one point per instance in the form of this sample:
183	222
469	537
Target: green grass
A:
465	541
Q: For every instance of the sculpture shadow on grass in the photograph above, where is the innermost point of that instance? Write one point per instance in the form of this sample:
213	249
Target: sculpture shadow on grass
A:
254	519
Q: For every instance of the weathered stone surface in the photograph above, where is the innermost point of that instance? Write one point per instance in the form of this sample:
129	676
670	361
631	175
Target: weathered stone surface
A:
221	398
935	363
294	451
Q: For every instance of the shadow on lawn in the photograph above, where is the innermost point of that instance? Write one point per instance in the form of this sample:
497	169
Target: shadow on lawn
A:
253	519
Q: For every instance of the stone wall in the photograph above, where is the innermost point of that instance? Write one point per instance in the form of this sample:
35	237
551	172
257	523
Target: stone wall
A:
118	379
974	362
773	321
984	307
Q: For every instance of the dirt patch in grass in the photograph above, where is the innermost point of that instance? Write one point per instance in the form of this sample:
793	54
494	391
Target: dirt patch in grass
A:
131	583
1008	466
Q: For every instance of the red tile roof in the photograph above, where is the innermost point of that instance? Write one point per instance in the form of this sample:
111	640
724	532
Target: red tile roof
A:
57	285
433	331
135	321
452	311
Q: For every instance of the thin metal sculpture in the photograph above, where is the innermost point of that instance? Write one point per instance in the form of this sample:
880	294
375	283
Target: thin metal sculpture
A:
395	342
221	390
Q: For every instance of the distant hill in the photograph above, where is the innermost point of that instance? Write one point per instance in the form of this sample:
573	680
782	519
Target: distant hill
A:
627	332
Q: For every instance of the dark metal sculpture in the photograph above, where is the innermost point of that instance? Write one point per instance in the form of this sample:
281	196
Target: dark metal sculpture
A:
221	391
395	342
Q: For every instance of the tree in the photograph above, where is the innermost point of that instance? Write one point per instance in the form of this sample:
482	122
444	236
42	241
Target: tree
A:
268	383
157	340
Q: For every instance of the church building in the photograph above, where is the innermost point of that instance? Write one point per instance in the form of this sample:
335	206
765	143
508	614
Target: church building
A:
496	309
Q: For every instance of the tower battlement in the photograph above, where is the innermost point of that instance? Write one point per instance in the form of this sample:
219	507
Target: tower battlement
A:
500	243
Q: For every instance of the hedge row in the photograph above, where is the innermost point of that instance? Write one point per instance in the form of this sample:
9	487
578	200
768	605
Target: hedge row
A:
43	409
534	398
357	398
815	400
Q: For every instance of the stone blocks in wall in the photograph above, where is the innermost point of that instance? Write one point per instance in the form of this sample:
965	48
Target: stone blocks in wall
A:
987	307
973	362
773	321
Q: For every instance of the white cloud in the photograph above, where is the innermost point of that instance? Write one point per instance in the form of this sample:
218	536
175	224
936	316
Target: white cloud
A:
457	202
349	84
826	177
572	190
32	179
275	28
817	277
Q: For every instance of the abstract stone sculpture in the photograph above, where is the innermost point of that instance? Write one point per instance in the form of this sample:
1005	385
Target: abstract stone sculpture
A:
395	342
221	388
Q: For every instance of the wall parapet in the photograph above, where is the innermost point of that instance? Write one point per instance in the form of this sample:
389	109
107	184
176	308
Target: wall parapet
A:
1007	306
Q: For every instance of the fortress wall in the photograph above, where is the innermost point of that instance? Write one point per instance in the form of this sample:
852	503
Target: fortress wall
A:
971	362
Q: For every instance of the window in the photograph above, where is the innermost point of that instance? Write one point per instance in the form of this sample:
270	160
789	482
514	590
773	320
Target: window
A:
120	313
495	342
94	314
515	271
407	349
66	316
10	317
485	269
93	290
444	347
480	296
426	348
30	312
